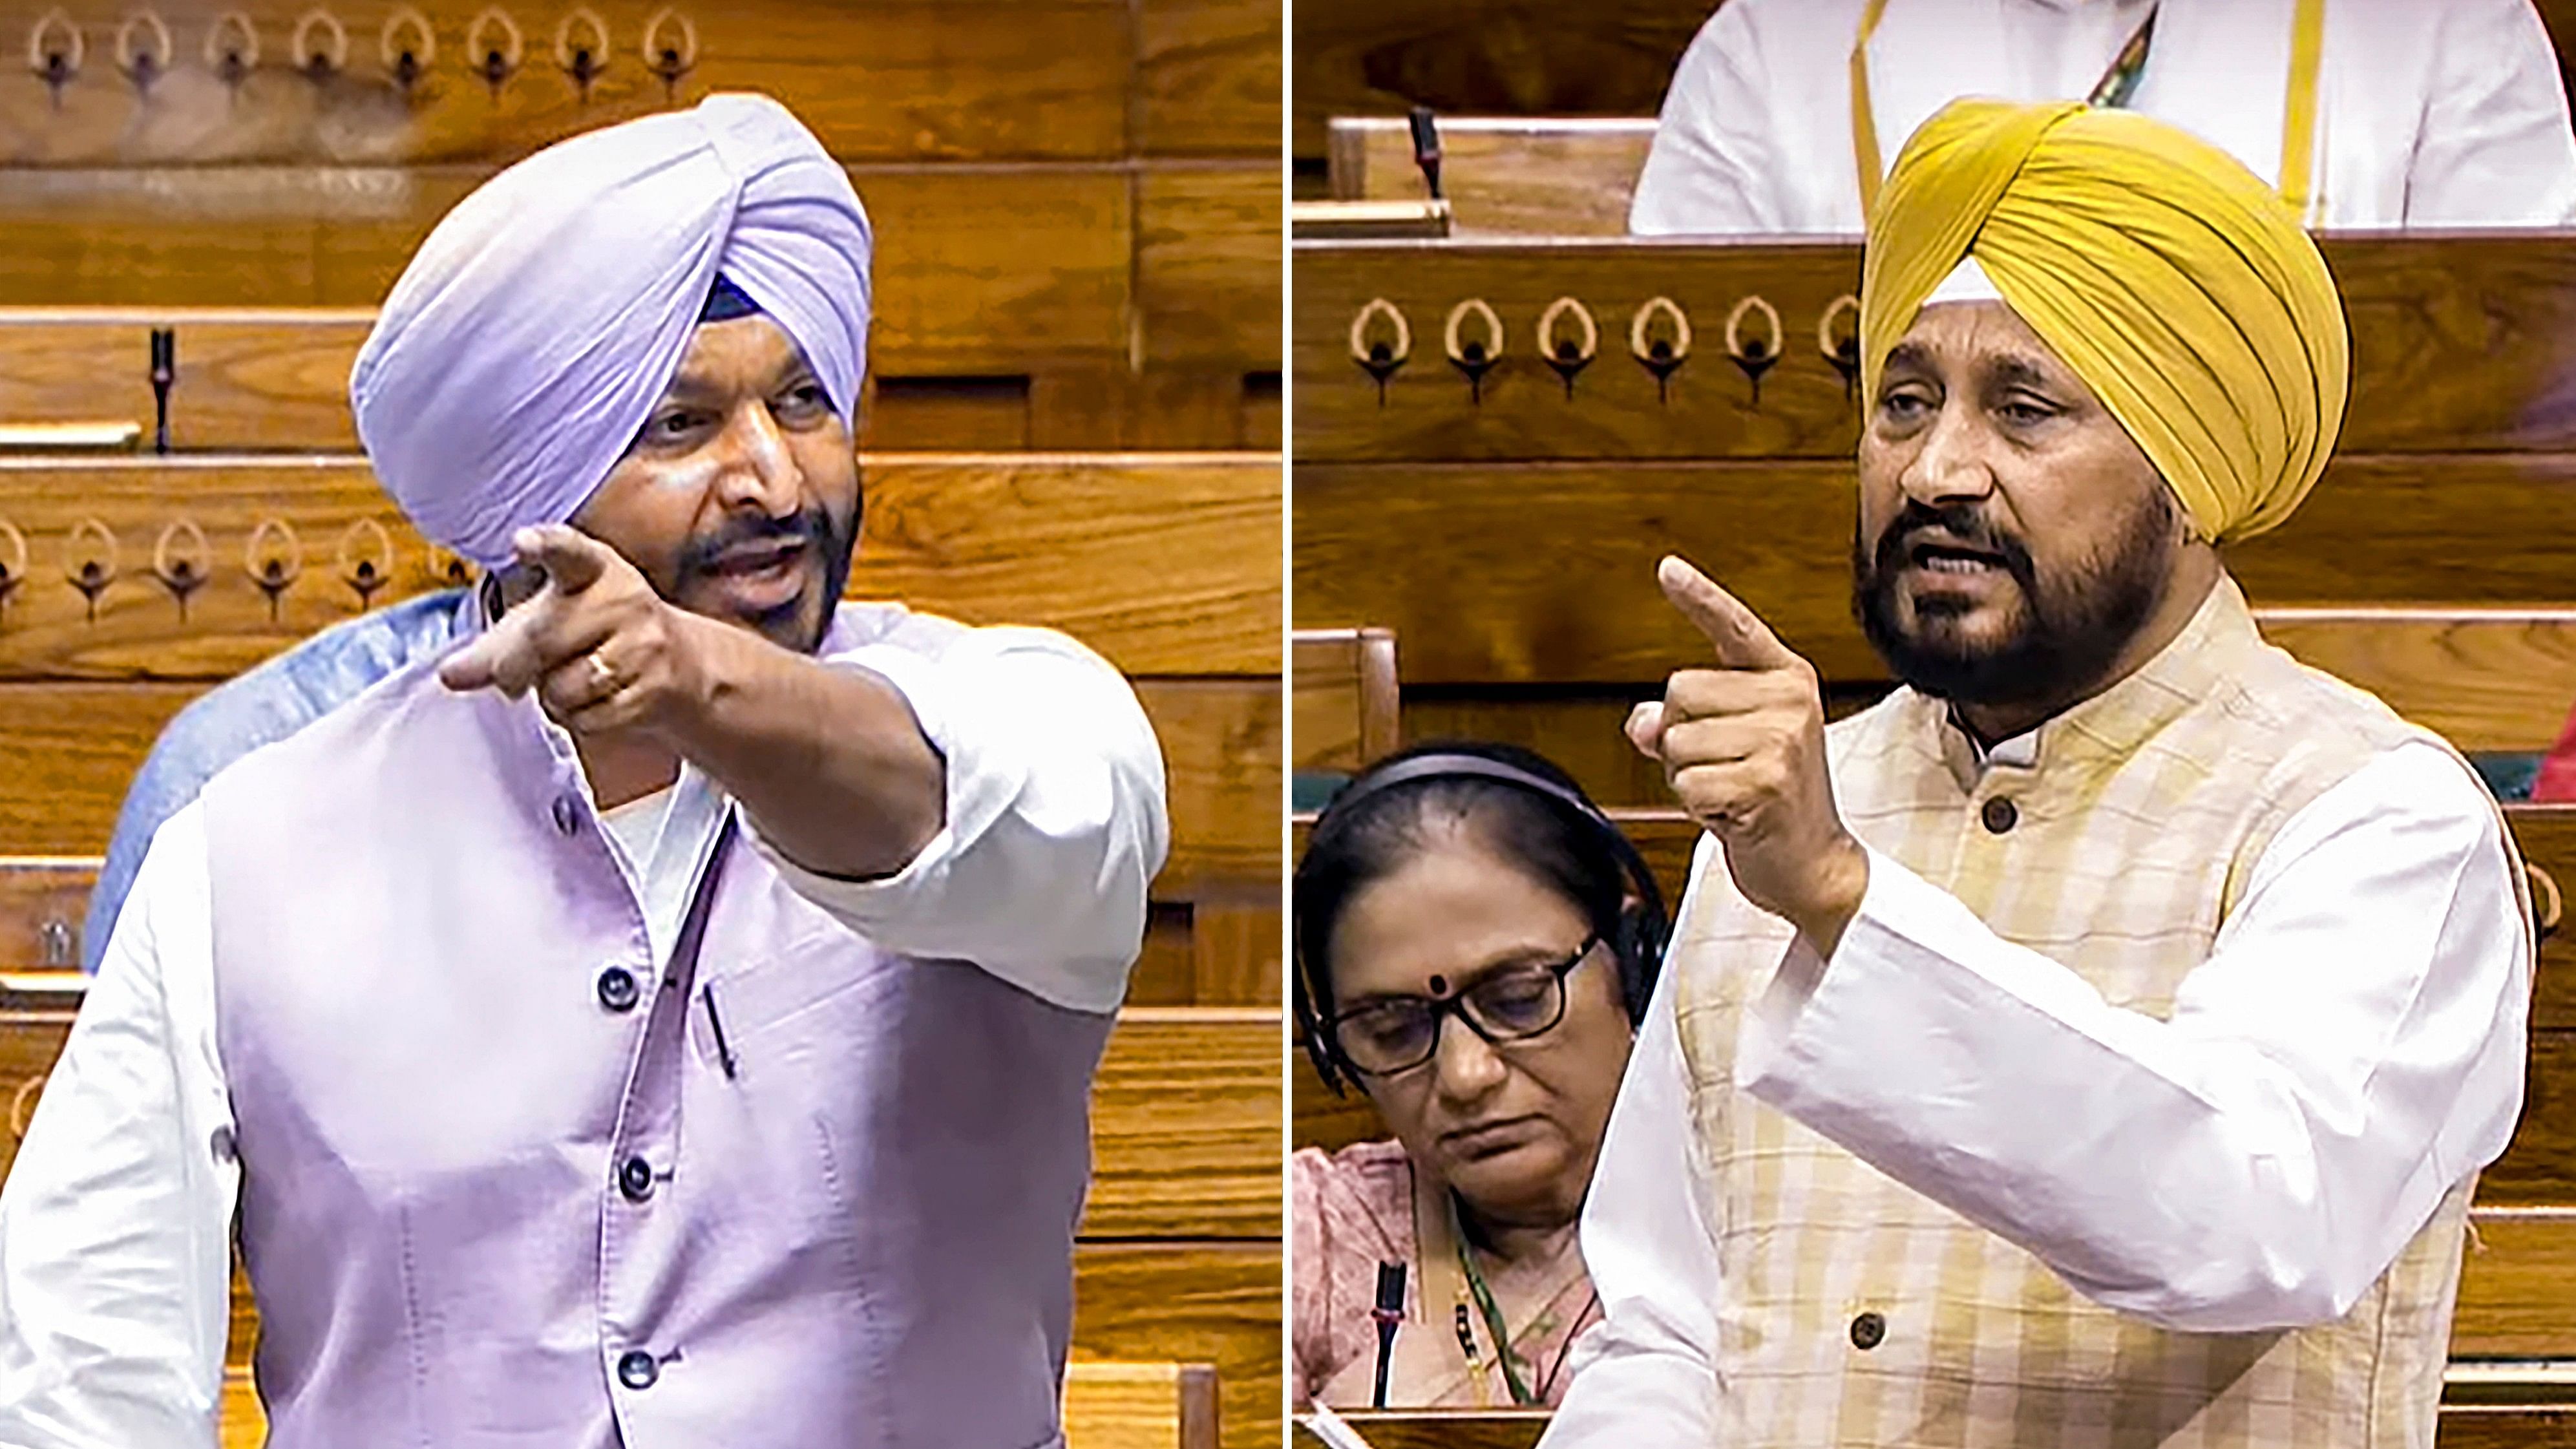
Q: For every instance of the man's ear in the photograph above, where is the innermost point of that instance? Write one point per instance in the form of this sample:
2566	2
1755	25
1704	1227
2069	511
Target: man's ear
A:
866	410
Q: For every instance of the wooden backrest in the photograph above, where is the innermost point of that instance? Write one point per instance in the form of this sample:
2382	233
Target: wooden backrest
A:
1367	57
2484	679
1106	1406
1508	531
1526	175
1054	80
1139	1406
1343	697
1166	563
2463	342
1131	300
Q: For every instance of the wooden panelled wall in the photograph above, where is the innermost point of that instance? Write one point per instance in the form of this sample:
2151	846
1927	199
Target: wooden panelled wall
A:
1544	504
132	586
1522	58
1076	201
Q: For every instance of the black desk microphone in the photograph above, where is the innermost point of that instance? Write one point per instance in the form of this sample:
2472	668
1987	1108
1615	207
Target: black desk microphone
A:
1388	1313
1426	148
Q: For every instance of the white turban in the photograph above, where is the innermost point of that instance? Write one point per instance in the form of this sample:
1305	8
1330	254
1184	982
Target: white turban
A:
527	343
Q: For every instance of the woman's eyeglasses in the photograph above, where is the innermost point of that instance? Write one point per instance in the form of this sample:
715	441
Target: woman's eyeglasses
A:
1398	1033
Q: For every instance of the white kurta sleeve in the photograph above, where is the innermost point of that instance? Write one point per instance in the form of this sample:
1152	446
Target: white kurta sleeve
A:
1716	151
1055	818
2351	1050
116	1222
1645	1376
2495	149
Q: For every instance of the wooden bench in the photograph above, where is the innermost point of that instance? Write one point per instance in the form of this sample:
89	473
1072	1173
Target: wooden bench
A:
1525	175
1054	80
1355	57
1120	310
276	378
1167	564
1106	1406
2461	344
1343	699
1178	1257
1132	300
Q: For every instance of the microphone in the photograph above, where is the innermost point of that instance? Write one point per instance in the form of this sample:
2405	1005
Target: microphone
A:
165	371
1426	148
1388	1313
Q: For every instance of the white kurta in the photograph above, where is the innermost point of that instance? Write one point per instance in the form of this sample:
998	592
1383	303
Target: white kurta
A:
2337	1063
2447	114
116	1222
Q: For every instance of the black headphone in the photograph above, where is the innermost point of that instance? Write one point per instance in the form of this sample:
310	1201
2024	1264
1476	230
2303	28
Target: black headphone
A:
1637	945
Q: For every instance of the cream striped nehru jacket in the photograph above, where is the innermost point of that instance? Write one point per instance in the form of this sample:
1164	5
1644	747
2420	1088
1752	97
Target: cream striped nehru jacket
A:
2138	828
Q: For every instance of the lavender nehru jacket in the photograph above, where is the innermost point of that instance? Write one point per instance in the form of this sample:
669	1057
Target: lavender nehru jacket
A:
499	1185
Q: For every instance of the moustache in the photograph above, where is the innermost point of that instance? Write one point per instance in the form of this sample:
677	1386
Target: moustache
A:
1954	525
805	528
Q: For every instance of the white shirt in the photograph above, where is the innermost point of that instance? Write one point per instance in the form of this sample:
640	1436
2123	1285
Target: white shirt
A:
116	1219
2352	1048
2430	113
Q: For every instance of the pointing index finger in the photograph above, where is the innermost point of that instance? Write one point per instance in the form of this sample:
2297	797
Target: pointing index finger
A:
1739	636
573	560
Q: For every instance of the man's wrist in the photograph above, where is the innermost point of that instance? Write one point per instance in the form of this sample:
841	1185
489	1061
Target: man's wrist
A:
1843	883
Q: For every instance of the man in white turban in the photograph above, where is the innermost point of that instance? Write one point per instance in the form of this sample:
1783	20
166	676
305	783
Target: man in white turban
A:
660	1008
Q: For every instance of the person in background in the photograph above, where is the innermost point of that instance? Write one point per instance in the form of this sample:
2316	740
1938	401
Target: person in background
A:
1475	941
2364	113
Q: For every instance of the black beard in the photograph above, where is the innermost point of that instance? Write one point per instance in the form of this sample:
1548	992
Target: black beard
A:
2071	629
788	625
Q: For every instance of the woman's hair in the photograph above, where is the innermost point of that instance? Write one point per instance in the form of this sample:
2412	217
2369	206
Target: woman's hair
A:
1576	854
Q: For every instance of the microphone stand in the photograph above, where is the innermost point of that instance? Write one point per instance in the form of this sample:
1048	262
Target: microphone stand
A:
1389	1313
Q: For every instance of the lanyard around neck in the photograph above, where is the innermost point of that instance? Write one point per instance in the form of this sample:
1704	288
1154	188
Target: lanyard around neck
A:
2113	90
1489	1310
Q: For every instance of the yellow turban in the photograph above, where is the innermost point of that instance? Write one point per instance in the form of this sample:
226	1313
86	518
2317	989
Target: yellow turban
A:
2170	278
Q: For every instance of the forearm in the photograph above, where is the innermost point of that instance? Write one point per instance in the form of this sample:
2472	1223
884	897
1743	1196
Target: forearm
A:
2253	1160
1647	1373
1053	818
828	762
114	1234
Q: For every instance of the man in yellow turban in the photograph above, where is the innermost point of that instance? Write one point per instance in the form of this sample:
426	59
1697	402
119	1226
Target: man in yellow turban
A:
2097	1041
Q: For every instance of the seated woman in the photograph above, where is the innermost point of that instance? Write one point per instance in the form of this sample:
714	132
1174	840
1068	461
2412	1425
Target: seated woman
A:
1475	942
